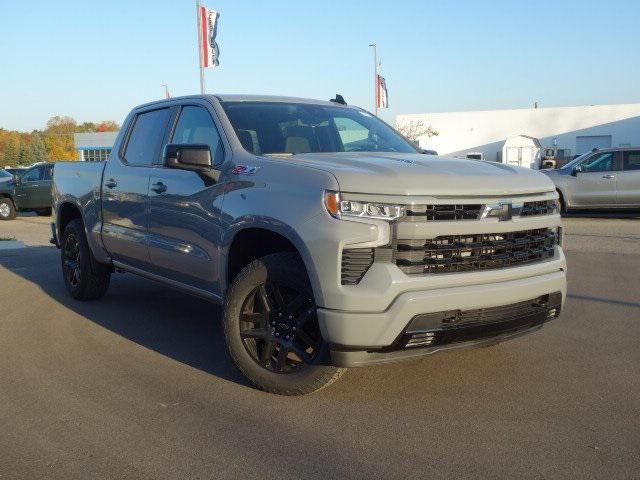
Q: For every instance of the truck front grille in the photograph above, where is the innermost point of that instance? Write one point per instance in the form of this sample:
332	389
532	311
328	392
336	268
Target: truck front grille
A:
455	212
438	213
464	253
543	207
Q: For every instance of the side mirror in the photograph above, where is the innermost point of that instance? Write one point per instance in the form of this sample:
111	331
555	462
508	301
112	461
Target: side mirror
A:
17	180
575	170
188	157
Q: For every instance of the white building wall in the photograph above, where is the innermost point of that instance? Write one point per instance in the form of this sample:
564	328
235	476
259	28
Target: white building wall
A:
486	131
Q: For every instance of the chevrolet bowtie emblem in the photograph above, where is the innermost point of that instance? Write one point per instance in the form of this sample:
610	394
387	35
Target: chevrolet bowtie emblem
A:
503	211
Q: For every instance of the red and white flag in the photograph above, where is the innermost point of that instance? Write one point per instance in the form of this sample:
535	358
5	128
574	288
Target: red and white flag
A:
208	25
382	99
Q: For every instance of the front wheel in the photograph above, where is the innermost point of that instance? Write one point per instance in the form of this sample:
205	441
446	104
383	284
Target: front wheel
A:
271	329
80	279
7	209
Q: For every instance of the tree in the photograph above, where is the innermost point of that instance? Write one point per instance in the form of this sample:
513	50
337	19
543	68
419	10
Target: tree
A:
38	149
86	127
24	155
414	129
108	126
11	152
58	138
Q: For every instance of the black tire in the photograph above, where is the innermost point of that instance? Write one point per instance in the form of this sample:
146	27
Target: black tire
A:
7	209
271	299
44	212
563	206
82	282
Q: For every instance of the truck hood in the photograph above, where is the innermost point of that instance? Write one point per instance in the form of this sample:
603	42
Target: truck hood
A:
417	174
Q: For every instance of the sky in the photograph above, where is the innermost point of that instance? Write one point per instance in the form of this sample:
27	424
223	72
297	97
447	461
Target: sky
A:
95	60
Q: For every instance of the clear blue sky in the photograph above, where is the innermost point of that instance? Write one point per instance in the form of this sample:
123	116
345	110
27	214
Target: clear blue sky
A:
95	60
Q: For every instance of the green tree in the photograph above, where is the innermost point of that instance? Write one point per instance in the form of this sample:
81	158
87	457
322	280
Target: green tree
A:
11	152
38	149
86	127
24	155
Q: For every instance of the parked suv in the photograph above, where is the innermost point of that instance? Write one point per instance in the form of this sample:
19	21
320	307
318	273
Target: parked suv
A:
328	237
602	179
28	191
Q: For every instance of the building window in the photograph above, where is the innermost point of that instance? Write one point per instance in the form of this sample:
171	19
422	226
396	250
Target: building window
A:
96	155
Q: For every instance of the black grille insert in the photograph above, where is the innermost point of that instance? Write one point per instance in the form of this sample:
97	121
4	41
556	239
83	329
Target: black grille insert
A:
453	212
452	326
542	207
443	212
355	263
483	251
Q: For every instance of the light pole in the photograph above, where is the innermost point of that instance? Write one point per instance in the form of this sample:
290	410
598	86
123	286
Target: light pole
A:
375	77
166	91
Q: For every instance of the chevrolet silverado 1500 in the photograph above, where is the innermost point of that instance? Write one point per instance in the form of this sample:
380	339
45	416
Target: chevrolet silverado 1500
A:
331	241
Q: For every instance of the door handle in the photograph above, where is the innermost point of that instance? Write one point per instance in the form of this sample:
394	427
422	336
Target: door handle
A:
159	187
111	183
609	176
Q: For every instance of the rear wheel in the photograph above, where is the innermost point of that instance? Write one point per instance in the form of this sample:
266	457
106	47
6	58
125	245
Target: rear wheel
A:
80	279
7	209
271	328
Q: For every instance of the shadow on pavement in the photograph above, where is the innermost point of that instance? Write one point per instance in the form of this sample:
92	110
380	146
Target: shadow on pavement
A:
603	300
614	214
169	322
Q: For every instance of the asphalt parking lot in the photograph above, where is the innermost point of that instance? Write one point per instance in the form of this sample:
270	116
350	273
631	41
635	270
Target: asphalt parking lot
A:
137	385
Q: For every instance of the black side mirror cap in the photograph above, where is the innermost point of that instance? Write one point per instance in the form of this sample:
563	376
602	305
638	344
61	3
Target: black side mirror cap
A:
574	172
17	180
196	157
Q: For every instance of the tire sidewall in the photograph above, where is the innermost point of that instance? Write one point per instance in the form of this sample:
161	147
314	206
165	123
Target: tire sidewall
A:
75	228
287	269
12	209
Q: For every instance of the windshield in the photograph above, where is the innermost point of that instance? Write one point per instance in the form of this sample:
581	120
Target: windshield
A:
292	128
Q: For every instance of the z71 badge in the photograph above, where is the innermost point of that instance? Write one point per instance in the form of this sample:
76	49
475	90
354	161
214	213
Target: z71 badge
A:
244	170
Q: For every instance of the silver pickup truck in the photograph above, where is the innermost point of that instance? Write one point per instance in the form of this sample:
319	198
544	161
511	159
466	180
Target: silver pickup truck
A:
330	240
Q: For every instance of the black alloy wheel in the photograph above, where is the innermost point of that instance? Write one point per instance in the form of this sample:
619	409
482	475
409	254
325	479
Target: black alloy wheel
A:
71	260
278	327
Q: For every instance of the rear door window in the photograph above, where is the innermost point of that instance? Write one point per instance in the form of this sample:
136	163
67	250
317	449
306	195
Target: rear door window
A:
146	137
631	160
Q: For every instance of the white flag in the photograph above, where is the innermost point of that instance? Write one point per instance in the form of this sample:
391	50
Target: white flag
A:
208	24
382	99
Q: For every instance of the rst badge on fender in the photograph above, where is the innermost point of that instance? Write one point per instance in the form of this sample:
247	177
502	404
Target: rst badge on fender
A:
244	170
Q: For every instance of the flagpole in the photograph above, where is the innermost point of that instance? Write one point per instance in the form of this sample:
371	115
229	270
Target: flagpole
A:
375	77
200	47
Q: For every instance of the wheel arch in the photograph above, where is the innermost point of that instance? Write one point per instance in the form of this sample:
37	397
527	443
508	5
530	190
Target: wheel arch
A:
252	242
8	195
562	198
66	212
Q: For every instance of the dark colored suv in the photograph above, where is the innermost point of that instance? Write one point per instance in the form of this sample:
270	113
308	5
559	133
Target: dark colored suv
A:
29	191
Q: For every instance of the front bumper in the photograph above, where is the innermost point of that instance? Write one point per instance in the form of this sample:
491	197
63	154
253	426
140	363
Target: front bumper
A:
348	331
427	334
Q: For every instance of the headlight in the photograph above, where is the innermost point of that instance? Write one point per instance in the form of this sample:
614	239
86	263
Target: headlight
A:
350	208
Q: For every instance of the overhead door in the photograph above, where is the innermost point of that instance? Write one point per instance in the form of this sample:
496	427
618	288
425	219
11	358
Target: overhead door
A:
585	144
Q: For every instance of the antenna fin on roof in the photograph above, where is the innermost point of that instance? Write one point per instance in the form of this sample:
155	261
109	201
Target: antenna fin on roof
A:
339	99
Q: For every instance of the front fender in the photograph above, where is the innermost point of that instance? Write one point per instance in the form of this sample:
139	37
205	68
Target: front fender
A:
276	226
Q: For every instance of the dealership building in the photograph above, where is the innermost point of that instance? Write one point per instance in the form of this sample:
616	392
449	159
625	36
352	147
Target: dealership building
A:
524	136
94	146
